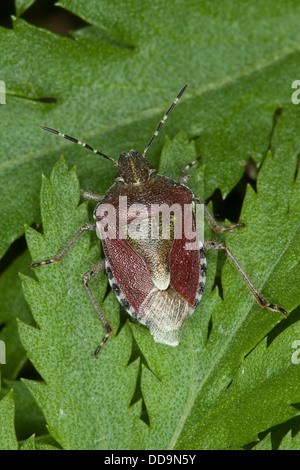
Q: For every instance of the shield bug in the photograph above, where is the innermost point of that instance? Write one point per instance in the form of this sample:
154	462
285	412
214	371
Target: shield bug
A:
156	270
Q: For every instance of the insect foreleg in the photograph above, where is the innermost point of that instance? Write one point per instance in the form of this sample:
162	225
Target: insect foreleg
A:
186	168
57	259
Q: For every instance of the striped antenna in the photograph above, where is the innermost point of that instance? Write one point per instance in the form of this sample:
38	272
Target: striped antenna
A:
167	114
76	141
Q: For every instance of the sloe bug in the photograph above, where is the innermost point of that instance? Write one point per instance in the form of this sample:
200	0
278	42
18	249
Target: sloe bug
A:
157	280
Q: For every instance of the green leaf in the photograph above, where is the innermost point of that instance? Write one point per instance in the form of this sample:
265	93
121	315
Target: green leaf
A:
92	397
112	84
222	385
290	442
264	444
22	5
45	442
29	444
13	306
8	440
29	418
37	443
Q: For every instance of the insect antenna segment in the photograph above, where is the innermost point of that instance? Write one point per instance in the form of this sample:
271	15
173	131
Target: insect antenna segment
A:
76	141
167	114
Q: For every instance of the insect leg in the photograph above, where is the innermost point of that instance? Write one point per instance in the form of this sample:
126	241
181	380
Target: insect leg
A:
89	196
85	281
213	245
64	251
186	168
213	223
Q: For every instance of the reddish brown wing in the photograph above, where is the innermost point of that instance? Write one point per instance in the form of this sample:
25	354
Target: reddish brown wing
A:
129	270
185	266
